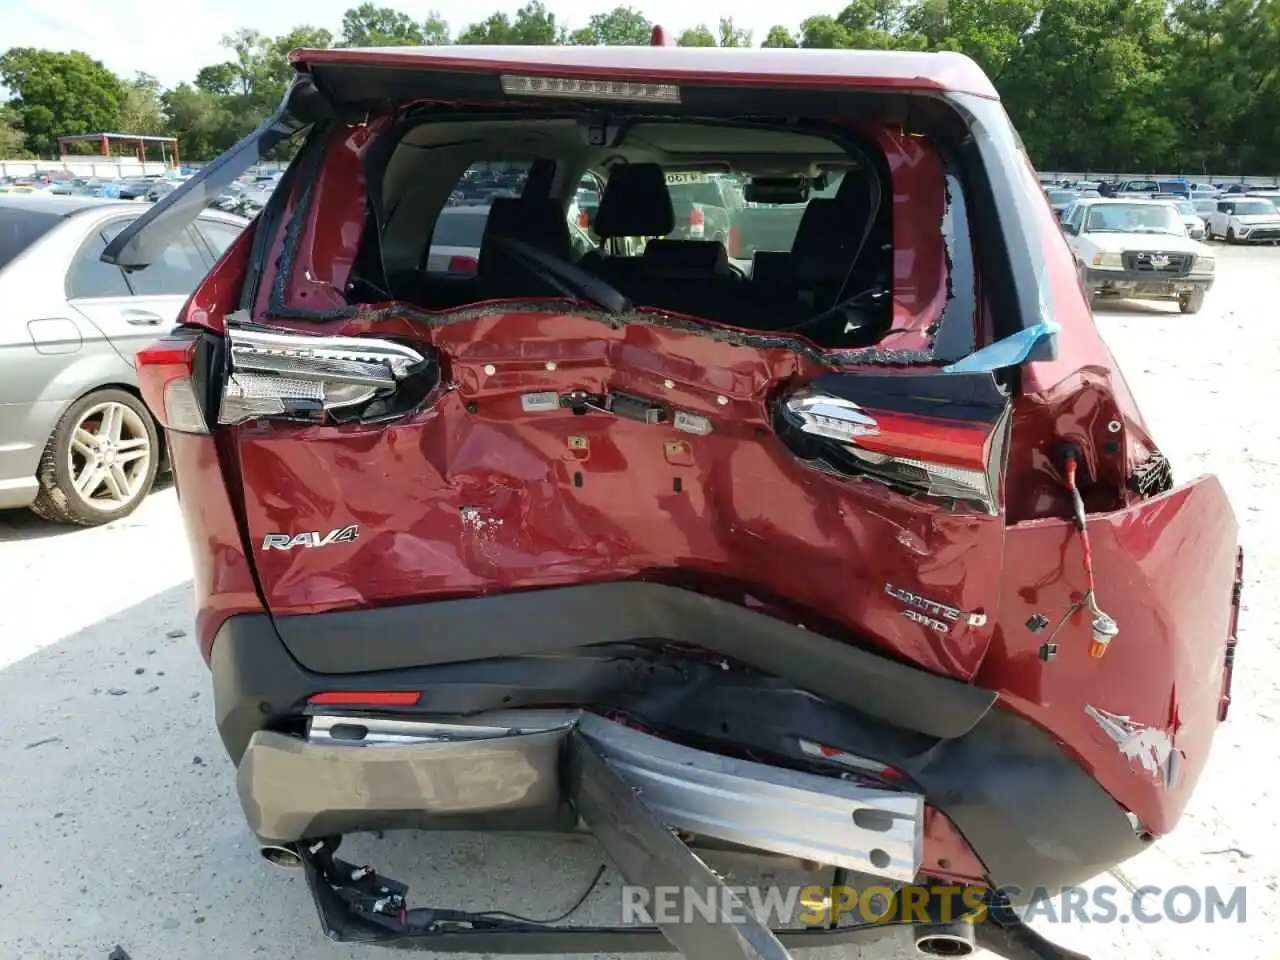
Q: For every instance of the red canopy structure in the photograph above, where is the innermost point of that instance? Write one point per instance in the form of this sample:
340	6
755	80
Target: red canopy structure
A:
139	140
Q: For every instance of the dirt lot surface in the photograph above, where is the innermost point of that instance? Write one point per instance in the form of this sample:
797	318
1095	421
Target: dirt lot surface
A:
119	823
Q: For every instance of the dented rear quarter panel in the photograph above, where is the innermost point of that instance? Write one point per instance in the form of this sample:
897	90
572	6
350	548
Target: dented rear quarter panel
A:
1165	569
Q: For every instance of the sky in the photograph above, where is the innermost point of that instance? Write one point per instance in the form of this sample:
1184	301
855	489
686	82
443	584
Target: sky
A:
172	41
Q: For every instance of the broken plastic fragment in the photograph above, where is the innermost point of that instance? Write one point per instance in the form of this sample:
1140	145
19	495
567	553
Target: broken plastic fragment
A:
1009	352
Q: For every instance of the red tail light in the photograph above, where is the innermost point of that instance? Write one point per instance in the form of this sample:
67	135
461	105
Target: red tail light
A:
584	221
465	266
272	374
735	243
166	376
948	458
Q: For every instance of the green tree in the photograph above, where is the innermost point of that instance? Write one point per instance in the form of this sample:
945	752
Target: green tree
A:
620	27
247	69
779	37
12	139
733	36
1222	84
200	120
369	25
219	78
533	25
823	32
57	93
1086	87
435	31
990	31
698	36
140	109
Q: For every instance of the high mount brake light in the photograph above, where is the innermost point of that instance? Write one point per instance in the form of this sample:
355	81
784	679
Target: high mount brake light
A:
948	460
274	374
579	89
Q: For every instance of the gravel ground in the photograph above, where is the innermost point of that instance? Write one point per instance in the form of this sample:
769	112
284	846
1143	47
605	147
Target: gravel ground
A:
118	820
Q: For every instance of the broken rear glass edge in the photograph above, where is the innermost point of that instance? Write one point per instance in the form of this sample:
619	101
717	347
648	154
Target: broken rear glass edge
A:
955	321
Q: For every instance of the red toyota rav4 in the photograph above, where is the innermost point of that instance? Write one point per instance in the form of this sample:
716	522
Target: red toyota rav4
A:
857	552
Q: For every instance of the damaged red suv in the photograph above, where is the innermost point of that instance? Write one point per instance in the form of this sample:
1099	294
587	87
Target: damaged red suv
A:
852	548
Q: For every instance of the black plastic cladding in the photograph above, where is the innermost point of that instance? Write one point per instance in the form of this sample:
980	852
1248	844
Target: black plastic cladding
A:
1034	817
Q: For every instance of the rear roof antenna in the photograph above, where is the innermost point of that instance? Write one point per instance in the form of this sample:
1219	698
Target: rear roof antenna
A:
659	37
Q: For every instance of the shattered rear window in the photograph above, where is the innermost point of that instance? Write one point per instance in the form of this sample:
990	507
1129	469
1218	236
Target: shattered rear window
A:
876	253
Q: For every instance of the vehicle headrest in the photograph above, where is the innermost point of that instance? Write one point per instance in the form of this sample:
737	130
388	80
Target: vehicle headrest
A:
635	203
771	267
538	222
819	220
831	231
680	258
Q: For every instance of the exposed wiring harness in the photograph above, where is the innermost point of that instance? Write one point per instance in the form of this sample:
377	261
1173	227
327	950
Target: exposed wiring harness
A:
1104	628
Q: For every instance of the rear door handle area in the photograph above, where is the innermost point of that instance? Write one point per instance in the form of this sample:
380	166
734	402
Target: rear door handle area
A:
142	318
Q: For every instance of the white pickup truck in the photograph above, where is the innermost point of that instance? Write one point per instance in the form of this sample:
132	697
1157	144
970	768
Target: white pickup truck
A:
1138	249
1246	219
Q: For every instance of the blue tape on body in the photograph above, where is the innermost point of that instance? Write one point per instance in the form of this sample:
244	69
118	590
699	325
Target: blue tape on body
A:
1009	352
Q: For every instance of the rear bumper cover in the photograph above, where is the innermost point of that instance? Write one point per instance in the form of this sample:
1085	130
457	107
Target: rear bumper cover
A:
1031	814
359	905
292	788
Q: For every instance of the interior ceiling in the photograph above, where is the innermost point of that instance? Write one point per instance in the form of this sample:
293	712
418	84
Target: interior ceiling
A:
678	145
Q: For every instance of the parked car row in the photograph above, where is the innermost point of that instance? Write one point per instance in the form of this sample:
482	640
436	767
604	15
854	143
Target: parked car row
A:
244	197
1176	186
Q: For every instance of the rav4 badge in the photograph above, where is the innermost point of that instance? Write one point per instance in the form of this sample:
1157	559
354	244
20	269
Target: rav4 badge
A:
287	541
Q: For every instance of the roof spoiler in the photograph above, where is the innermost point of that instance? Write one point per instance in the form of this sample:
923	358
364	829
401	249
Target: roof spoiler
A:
140	243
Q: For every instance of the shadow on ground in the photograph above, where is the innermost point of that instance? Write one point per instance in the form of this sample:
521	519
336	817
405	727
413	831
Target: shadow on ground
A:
22	524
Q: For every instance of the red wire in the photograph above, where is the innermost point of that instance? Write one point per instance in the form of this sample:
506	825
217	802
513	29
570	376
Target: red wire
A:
1084	534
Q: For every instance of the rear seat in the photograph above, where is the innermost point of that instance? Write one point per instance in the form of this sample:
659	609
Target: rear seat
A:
538	222
686	260
684	276
635	203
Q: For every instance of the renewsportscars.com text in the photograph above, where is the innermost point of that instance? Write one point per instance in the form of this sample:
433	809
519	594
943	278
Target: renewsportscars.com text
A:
819	905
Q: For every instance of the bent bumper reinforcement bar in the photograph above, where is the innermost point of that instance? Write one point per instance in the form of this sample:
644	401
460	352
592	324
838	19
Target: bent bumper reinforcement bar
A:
612	775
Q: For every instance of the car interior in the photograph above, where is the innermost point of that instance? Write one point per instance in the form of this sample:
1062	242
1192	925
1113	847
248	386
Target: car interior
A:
831	286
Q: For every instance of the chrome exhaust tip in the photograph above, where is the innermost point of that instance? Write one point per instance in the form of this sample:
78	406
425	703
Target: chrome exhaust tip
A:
285	858
945	940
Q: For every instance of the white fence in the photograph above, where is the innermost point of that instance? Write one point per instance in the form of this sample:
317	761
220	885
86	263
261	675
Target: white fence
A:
109	168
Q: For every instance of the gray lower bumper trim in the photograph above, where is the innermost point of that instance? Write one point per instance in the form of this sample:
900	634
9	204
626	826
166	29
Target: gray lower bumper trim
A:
292	788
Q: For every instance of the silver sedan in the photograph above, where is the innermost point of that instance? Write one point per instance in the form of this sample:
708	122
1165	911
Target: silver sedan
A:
77	444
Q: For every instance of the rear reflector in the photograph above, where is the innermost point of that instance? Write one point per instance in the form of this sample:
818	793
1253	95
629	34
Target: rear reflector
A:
165	376
579	89
361	698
